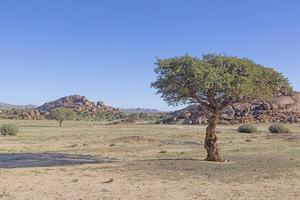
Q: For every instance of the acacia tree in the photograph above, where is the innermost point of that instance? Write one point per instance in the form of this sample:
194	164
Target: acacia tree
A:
62	114
213	82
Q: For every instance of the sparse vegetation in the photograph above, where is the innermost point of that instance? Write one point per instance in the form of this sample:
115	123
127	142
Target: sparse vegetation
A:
247	128
117	116
62	114
155	153
279	128
10	129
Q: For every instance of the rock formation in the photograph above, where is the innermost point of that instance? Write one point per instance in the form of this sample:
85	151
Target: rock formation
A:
285	108
25	114
78	104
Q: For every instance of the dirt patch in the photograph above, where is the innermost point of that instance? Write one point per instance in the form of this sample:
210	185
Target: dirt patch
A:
285	136
266	167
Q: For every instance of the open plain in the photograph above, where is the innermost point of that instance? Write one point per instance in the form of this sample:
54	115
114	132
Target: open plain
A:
90	160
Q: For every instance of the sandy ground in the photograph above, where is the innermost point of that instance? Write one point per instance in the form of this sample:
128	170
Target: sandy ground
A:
147	162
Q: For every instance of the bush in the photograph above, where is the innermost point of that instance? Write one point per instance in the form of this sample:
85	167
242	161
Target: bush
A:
224	122
9	129
247	128
279	128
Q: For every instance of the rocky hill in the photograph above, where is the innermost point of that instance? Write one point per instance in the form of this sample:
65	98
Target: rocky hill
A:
78	104
285	108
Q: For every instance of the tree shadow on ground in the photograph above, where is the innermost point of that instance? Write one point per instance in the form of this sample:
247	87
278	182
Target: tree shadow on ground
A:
24	160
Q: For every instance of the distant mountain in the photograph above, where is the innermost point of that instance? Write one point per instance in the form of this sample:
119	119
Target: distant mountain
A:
139	110
6	106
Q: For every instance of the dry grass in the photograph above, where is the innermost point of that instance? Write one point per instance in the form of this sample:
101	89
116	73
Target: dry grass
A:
261	166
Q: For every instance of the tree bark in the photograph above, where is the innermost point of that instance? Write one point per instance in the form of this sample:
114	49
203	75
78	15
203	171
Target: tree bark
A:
210	143
60	122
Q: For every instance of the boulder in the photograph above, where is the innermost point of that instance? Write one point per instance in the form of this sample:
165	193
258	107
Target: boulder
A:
285	108
227	113
24	114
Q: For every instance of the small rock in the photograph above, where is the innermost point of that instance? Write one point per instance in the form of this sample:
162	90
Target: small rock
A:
109	181
163	151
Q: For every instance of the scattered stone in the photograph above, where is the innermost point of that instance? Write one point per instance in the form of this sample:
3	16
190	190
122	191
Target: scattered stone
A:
75	145
109	181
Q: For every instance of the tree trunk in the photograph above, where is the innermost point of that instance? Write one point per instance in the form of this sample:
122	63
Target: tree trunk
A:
210	143
60	123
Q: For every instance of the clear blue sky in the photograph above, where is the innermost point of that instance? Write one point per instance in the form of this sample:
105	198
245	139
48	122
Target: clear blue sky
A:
105	49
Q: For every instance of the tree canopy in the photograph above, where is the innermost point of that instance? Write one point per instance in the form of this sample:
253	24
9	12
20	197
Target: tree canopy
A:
213	82
62	114
215	79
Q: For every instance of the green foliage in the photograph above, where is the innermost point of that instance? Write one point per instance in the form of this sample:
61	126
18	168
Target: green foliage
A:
133	116
163	118
279	128
214	80
62	114
110	116
9	129
83	116
117	116
247	128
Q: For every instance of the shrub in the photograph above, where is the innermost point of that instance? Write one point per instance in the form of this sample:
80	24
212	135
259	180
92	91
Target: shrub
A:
279	128
9	129
247	128
224	122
